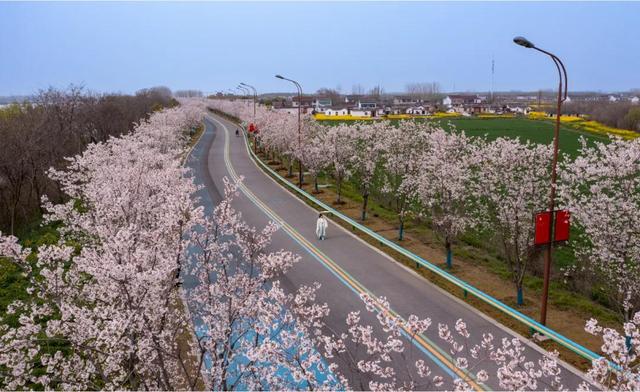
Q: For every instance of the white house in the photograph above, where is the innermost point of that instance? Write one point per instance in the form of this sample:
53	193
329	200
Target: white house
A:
336	112
417	110
635	100
367	105
361	113
461	100
613	98
520	109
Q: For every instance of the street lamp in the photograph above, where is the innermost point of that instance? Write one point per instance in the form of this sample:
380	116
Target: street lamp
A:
255	97
255	131
244	90
562	96
300	179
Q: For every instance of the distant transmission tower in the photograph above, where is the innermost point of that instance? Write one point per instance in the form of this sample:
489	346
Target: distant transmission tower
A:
493	70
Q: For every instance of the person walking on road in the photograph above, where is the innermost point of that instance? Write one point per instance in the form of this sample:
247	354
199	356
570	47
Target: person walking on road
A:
237	132
321	227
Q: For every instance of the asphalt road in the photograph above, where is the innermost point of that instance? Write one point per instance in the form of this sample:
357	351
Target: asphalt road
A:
343	264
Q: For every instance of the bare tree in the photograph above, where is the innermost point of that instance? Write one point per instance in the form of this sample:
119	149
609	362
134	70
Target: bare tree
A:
333	94
357	89
188	93
423	90
59	123
376	91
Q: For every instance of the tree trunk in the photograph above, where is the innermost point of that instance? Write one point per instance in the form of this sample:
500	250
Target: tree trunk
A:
365	201
520	298
449	255
339	189
315	184
401	231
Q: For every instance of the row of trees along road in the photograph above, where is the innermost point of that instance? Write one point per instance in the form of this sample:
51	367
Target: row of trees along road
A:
492	189
104	308
55	124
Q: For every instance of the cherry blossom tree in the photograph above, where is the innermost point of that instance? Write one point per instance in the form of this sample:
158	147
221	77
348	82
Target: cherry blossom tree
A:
255	335
105	297
403	147
618	369
601	188
314	157
512	185
443	181
278	132
107	305
513	370
339	149
368	151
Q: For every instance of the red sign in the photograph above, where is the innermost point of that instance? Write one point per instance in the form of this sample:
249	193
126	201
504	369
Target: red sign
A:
562	223
561	227
543	225
252	127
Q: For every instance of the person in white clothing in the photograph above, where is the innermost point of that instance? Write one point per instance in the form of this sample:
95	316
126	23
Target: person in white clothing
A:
321	227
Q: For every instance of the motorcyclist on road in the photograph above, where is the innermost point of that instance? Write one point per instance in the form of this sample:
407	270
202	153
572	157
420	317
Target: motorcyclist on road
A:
237	132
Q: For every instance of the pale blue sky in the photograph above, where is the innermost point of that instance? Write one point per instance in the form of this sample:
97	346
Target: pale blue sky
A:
213	46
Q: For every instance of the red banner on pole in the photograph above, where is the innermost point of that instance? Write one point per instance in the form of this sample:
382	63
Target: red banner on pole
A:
561	227
562	223
543	227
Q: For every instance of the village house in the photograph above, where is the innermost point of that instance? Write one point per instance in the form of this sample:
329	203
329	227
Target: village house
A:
460	100
466	105
362	112
336	111
406	100
367	105
420	110
305	102
321	103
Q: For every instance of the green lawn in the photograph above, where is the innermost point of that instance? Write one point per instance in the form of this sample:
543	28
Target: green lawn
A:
537	131
533	130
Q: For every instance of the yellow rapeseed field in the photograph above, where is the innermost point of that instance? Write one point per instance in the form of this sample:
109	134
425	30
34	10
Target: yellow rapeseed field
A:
583	124
322	116
575	122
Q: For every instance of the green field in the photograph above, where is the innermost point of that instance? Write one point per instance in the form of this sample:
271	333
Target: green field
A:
537	131
533	130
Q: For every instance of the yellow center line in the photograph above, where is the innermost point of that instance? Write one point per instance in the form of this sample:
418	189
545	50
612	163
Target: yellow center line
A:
353	284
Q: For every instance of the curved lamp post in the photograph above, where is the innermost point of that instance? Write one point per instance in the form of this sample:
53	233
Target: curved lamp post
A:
300	179
255	97
562	96
244	90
